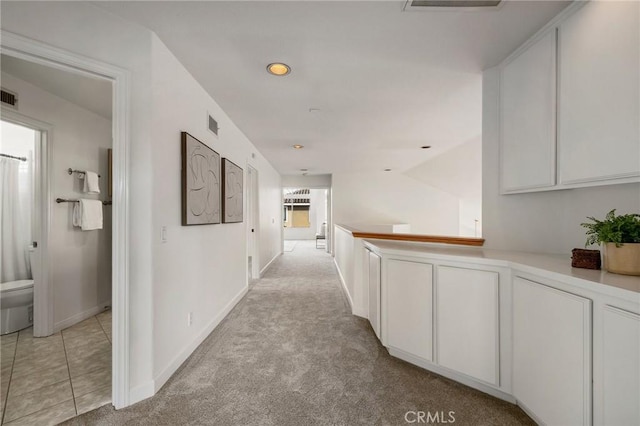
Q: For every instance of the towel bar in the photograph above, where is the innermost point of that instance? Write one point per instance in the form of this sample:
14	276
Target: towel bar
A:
64	200
72	171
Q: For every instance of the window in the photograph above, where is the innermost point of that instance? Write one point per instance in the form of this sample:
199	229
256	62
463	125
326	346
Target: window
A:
296	208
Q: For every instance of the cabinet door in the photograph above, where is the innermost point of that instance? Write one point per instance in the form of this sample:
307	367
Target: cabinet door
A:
467	322
552	353
409	308
374	292
599	106
527	118
621	363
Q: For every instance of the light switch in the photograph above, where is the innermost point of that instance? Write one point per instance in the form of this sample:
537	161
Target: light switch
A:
163	234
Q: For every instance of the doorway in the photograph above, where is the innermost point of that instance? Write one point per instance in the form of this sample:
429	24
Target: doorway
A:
35	52
23	153
253	224
305	217
71	308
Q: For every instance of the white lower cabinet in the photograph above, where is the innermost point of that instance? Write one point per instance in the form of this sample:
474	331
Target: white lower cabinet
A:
374	292
552	353
567	354
467	322
408	293
621	367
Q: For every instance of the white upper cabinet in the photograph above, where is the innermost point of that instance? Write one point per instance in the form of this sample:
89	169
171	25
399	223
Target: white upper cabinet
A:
573	89
599	93
528	117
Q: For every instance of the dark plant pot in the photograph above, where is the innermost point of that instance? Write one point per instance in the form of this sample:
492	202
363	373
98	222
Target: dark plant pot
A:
622	260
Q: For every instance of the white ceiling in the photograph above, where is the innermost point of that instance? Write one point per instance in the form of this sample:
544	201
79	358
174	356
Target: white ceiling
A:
385	81
93	94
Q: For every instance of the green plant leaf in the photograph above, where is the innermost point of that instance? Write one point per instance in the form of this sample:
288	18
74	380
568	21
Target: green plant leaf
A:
613	229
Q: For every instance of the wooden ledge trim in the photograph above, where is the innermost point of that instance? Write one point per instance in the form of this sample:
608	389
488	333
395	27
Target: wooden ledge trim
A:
461	241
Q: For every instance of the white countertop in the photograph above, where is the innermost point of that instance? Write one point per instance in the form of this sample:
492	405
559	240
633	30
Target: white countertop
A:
556	267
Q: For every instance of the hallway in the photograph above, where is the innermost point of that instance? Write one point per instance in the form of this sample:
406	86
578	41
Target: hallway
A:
291	353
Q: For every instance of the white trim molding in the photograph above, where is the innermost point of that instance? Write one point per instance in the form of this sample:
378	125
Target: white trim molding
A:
81	316
44	54
43	294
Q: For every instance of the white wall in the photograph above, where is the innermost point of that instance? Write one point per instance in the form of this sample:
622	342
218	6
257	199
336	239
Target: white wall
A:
391	197
309	181
166	280
317	215
270	206
201	269
350	256
80	261
545	222
344	252
458	172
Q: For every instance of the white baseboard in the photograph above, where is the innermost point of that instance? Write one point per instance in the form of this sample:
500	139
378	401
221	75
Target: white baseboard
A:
360	313
268	265
162	378
141	392
458	377
344	285
81	316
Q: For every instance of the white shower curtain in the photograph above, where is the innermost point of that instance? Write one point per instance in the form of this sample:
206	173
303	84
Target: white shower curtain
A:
15	219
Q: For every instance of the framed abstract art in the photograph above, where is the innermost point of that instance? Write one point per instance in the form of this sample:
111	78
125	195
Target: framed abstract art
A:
200	183
232	192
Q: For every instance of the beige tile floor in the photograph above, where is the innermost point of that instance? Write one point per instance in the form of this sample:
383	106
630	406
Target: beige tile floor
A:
44	381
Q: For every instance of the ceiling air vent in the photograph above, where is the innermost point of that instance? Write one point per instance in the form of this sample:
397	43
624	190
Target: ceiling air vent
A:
9	98
213	125
414	5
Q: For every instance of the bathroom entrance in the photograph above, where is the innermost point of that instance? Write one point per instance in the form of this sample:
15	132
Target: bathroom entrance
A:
56	233
19	146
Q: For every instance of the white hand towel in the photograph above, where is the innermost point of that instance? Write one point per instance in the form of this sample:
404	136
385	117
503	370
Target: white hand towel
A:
77	214
87	214
91	183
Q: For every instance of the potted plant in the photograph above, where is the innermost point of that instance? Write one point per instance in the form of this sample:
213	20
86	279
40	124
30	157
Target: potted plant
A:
620	236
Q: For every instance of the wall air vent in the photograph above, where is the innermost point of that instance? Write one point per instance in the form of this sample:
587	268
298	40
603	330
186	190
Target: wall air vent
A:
416	5
9	98
213	124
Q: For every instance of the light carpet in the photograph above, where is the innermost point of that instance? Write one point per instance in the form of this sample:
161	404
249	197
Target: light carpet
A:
291	353
289	245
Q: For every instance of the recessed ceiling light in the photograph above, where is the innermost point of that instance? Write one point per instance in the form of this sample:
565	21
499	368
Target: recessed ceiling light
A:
298	146
278	68
425	147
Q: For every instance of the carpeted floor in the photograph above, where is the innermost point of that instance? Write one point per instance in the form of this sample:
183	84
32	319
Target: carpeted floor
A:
291	353
289	245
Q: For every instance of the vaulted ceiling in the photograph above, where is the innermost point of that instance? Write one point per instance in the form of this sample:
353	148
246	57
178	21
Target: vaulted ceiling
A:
385	81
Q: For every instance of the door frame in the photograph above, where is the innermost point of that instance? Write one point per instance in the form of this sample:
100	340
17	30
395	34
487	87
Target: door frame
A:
253	219
44	54
42	294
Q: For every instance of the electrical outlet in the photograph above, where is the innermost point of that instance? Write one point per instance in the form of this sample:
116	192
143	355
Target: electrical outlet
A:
163	234
190	319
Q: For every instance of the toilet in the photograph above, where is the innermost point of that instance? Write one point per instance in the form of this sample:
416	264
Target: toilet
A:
16	303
